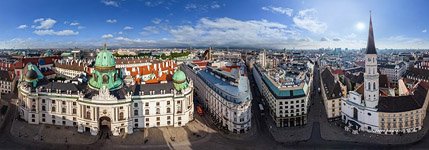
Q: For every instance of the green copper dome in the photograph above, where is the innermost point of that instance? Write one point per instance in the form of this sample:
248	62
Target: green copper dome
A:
105	59
32	74
179	80
105	74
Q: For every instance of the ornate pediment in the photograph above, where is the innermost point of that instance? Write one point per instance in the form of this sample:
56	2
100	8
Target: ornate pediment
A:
104	95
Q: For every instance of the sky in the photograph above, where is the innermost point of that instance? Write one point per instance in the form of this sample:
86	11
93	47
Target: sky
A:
270	24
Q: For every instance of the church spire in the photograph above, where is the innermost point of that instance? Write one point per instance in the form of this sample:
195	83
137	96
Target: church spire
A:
370	47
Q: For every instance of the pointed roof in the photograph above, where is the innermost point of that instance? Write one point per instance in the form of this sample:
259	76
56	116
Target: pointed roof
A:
370	47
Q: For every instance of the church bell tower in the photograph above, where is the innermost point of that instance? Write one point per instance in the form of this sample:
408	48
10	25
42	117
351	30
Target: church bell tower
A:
371	75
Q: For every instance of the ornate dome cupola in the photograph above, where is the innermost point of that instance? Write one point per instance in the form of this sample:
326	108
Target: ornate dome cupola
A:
32	74
179	80
105	74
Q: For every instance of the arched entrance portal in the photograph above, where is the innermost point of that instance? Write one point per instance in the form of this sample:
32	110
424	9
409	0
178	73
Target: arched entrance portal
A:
104	126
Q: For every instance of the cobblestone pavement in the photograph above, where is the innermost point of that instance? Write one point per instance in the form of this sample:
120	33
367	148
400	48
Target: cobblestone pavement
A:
49	133
193	131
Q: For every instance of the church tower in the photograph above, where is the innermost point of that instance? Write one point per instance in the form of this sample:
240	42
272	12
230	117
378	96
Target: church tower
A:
371	76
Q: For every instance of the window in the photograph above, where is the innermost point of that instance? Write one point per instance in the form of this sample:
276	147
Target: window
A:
64	102
157	103
74	103
168	122
147	119
121	116
43	100
146	104
136	105
74	110
63	110
168	110
168	102
136	112
146	112
53	109
158	111
179	118
157	123
88	115
157	118
168	117
43	108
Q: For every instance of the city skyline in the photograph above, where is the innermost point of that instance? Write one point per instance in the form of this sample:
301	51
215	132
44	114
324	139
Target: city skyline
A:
254	24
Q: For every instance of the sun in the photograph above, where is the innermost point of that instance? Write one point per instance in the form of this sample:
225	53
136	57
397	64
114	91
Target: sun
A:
360	26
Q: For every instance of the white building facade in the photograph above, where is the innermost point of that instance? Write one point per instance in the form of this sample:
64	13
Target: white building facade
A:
105	103
226	99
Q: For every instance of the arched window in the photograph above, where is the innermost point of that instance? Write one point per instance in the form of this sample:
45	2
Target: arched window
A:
88	115
105	79
369	86
146	112
168	110
121	116
158	111
43	108
373	85
136	112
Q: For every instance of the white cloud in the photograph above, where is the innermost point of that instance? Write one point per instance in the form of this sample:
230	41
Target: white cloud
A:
107	36
306	19
336	39
120	32
38	20
280	10
74	23
113	3
234	33
111	21
190	6
156	21
59	33
424	31
324	39
134	42
149	30
45	23
214	6
23	26
202	7
81	27
128	28
154	3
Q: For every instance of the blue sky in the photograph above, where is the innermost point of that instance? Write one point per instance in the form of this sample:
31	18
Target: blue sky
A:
223	23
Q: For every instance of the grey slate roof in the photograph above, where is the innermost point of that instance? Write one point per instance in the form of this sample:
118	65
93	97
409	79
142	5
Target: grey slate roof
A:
332	87
146	88
370	48
5	76
404	103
